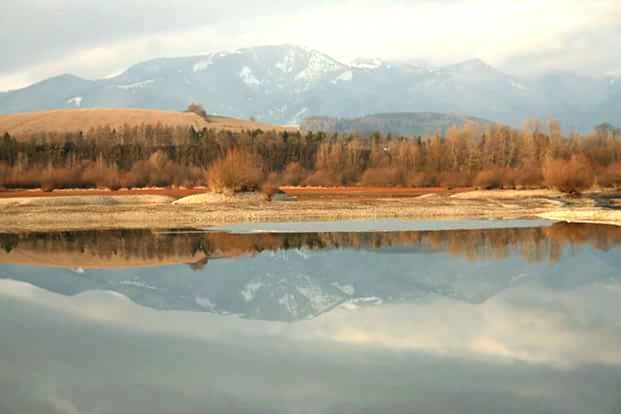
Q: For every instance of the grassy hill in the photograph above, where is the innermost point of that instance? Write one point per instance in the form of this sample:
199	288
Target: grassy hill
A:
72	120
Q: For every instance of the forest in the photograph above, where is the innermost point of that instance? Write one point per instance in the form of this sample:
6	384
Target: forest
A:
484	156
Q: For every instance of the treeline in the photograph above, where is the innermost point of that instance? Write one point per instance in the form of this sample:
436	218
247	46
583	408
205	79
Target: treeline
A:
156	155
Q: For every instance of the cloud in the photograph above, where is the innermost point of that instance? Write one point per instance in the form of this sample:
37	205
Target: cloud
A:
92	38
527	323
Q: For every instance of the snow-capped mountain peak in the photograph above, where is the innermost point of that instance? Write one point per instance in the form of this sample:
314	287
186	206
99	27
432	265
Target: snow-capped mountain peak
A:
285	83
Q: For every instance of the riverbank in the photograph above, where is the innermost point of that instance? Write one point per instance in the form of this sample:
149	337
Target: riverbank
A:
82	212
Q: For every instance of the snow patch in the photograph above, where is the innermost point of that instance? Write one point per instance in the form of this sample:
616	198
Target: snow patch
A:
519	277
137	284
115	74
372	300
344	77
319	300
318	66
287	63
298	116
136	85
202	64
288	301
205	303
75	101
366	64
248	77
250	290
518	85
346	289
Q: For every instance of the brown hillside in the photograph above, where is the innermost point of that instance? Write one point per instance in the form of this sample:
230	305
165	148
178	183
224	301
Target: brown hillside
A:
72	120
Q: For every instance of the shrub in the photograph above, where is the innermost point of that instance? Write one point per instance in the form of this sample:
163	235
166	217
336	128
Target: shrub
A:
237	171
322	178
490	179
611	176
572	177
101	176
454	179
528	176
421	180
294	174
382	177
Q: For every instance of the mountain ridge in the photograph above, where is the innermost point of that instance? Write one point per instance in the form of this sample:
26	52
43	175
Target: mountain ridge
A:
284	84
396	123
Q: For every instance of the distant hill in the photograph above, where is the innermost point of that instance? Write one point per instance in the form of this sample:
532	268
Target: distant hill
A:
73	120
405	124
285	84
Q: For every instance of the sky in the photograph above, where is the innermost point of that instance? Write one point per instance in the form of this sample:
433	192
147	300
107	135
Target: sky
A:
98	38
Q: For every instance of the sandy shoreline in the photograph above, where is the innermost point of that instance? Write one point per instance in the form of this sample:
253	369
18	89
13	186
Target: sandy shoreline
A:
153	212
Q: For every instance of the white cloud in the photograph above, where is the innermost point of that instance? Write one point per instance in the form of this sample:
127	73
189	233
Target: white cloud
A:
441	32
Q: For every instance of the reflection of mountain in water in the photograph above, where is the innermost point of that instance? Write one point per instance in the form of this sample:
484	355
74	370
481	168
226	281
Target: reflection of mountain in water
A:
290	277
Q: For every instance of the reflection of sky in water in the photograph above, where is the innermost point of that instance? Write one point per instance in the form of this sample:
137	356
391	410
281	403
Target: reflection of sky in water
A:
410	332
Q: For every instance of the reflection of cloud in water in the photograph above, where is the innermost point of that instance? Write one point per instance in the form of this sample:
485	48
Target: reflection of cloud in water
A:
528	323
562	328
105	354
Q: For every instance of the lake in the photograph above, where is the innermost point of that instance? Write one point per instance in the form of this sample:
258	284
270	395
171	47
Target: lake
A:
380	316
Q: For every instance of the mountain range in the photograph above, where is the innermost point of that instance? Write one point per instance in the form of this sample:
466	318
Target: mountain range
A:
404	124
286	84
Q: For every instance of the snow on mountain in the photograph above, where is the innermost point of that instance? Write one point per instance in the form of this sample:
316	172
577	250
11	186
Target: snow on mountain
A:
136	85
282	84
75	101
318	66
346	76
368	64
249	291
203	64
287	63
247	76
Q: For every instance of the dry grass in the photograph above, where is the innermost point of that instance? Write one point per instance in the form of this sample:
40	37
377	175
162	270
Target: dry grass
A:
177	192
88	200
506	194
585	215
72	120
15	218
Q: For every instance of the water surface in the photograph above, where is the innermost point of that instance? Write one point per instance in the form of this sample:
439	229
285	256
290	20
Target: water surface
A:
458	317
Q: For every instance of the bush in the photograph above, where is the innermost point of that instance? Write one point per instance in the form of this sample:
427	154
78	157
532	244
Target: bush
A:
101	176
294	174
490	179
528	176
382	177
322	178
572	177
421	180
237	171
454	180
611	176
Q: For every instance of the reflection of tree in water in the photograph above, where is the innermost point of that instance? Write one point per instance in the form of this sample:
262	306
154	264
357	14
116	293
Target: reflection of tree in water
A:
534	244
8	242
